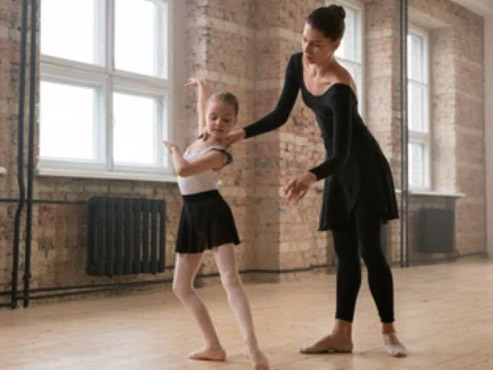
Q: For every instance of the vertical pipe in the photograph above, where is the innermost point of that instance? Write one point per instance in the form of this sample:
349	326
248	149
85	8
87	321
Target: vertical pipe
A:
137	217
128	212
154	230
91	236
30	165
109	261
119	251
20	158
145	263
404	250
101	237
162	236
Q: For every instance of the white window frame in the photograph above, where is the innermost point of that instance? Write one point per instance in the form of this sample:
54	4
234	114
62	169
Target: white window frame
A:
419	137
359	8
110	80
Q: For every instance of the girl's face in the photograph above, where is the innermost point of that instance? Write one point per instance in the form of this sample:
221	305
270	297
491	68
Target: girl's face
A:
317	48
220	117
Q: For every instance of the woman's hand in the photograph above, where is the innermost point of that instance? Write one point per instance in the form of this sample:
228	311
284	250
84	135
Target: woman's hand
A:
234	137
170	146
297	188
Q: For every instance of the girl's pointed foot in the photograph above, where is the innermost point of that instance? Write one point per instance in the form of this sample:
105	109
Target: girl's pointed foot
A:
258	359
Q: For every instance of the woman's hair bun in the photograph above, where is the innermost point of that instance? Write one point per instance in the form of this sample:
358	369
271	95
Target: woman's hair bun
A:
329	20
338	10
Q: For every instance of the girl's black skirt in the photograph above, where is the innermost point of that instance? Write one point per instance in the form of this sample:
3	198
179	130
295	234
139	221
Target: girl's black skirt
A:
206	222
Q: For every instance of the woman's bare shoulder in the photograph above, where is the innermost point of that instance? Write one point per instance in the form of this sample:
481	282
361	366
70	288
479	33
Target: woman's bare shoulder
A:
342	76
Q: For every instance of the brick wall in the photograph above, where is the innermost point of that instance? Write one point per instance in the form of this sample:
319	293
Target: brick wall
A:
242	46
457	111
383	97
9	62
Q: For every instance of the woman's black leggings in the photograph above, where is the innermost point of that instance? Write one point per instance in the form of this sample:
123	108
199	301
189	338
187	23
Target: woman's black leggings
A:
362	228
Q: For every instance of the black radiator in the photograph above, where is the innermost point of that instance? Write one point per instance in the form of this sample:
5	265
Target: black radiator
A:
435	232
125	236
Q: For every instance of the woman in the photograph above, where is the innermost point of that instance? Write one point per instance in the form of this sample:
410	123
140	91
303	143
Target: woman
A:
358	193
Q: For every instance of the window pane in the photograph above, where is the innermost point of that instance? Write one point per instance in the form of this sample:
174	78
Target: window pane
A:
67	121
135	129
416	165
140	36
416	57
69	29
417	103
349	48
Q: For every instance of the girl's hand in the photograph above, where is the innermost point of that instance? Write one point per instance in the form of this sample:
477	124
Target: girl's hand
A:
296	188
170	146
194	82
234	137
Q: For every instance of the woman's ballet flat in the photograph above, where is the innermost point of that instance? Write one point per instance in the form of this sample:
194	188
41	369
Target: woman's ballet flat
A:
208	355
393	347
328	345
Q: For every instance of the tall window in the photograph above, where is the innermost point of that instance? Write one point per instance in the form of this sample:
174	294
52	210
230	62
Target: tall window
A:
418	108
105	90
350	51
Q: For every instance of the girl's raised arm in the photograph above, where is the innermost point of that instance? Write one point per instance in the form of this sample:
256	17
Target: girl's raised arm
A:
201	100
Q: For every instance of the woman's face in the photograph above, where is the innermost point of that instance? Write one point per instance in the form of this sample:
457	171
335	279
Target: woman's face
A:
316	47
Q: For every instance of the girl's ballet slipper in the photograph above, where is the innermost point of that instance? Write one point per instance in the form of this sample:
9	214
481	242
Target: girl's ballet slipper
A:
259	361
329	344
260	365
207	354
393	347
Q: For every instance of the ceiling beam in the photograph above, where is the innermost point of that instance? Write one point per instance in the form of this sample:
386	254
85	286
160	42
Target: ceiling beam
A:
481	7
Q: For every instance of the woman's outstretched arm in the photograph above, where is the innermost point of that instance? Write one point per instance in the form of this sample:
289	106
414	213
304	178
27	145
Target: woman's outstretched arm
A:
281	112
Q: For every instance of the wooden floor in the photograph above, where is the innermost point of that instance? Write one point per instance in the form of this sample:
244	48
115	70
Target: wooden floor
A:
444	312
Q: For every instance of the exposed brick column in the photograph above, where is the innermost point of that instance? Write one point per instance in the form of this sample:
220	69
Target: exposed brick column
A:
470	131
10	21
443	74
285	237
382	91
488	66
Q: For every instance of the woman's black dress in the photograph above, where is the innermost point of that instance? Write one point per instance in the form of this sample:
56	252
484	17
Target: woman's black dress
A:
355	169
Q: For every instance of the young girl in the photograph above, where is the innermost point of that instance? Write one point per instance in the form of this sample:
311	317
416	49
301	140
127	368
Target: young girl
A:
207	223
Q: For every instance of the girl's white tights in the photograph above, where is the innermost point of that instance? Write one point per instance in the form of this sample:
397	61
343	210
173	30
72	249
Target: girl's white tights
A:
185	270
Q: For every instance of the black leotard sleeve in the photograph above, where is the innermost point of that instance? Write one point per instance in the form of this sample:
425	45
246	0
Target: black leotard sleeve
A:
340	101
280	114
228	158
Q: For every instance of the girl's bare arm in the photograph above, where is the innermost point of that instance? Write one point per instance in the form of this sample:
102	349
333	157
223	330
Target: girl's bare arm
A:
201	100
213	160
